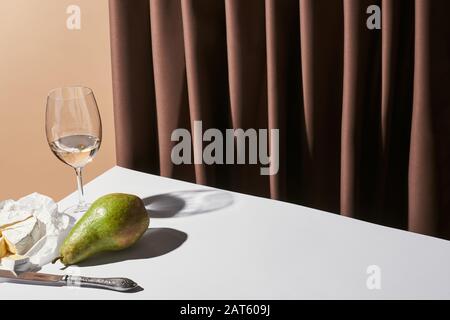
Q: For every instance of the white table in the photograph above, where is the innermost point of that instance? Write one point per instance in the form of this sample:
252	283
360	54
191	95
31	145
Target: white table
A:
222	245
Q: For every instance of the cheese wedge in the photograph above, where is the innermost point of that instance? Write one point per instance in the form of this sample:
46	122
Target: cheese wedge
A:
21	236
3	247
23	225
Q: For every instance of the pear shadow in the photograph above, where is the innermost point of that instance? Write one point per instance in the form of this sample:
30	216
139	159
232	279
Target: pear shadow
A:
186	203
154	243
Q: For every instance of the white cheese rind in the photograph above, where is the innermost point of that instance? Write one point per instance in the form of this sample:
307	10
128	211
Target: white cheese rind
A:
11	213
23	235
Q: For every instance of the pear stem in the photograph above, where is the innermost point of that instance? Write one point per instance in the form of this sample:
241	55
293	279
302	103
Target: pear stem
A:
56	259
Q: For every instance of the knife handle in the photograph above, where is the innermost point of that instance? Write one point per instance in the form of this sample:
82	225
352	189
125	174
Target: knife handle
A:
116	284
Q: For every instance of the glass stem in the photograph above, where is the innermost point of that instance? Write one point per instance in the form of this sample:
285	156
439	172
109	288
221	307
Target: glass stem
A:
81	201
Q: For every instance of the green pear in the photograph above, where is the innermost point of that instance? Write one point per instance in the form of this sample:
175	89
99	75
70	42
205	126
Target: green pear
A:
113	222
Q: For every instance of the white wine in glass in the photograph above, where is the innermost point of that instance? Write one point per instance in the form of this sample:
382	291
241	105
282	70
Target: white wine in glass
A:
74	132
76	150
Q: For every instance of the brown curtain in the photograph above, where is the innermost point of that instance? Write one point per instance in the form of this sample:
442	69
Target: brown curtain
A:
364	115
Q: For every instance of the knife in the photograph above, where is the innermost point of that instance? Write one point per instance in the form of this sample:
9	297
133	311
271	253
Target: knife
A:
116	284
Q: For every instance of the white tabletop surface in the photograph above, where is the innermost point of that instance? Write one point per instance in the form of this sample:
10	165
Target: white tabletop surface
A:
205	243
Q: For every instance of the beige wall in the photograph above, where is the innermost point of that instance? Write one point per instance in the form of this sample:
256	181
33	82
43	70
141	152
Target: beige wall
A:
37	53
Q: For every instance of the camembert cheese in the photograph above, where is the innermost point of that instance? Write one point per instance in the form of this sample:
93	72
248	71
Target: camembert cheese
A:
18	232
3	248
21	236
30	230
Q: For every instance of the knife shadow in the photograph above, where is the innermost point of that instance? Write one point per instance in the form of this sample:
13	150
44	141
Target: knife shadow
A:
154	243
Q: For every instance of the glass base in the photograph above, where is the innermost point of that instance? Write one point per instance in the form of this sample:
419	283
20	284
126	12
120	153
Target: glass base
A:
77	210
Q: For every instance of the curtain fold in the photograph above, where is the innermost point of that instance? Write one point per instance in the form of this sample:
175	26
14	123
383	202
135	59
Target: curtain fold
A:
363	115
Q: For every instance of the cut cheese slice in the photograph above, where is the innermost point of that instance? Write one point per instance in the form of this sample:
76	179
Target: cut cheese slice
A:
21	236
3	247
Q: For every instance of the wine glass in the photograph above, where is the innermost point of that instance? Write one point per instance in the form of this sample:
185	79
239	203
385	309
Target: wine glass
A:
74	132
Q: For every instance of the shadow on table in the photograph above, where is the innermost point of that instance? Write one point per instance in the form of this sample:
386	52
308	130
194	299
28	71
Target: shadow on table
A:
186	203
154	243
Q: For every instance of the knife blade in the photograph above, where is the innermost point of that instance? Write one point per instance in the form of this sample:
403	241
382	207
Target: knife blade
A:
116	284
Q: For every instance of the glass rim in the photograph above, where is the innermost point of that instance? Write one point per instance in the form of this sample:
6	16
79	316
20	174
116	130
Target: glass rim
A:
85	91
